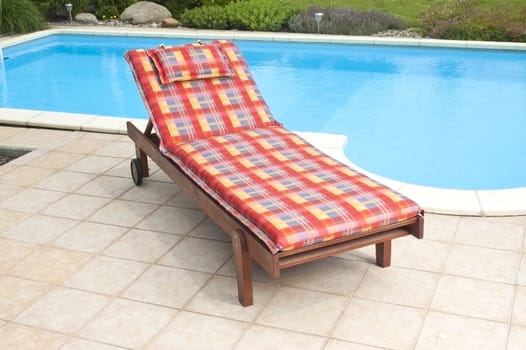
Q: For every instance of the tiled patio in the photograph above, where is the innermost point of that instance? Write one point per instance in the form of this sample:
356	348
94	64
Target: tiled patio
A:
89	261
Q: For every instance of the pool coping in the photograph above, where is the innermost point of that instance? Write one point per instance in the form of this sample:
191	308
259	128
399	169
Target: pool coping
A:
506	202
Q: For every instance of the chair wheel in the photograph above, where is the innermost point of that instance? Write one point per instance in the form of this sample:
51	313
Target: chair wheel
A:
136	171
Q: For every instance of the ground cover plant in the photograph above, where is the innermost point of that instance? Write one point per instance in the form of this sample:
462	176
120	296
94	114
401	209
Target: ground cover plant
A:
498	20
463	20
344	21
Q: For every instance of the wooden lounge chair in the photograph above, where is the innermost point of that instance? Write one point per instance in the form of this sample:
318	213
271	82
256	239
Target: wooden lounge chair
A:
281	200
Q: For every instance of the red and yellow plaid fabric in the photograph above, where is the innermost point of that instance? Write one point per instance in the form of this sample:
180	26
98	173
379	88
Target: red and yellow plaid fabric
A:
221	133
194	109
286	191
189	62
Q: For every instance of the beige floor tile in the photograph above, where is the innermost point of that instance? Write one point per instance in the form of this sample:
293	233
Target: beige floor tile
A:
440	227
522	271
198	254
366	254
7	190
42	139
519	308
258	274
76	206
17	294
64	181
19	337
379	324
6	168
151	192
209	230
172	220
10	218
106	275
331	275
121	170
517	220
6	131
142	245
25	176
117	149
89	237
11	252
159	175
391	285
264	338
122	213
106	186
127	323
82	344
488	264
92	164
106	138
303	311
166	286
334	344
83	146
424	255
517	338
49	264
181	200
194	331
219	297
40	229
491	234
445	331
55	160
63	310
31	200
475	298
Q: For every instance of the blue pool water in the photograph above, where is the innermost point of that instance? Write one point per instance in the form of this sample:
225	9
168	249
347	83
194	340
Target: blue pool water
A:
438	117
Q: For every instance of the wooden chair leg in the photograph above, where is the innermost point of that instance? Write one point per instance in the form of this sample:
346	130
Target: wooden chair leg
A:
143	157
383	254
243	265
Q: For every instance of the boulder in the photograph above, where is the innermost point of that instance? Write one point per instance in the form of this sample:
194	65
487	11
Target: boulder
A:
170	23
86	18
145	12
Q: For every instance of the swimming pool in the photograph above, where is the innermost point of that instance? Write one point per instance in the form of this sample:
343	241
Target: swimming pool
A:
438	117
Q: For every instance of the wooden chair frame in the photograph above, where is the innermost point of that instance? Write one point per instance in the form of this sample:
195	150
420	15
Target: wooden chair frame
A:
245	245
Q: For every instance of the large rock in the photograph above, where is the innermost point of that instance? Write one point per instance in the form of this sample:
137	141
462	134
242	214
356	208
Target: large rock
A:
170	23
144	12
86	18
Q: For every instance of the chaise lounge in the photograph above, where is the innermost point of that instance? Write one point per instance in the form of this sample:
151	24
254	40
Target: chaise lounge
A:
281	201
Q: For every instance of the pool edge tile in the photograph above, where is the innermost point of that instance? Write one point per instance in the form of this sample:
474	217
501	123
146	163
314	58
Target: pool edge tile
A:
503	202
444	201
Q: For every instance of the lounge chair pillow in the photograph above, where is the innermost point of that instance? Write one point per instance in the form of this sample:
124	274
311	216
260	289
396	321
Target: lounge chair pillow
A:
190	62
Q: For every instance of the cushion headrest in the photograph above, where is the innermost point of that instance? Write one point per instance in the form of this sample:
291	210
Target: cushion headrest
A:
190	62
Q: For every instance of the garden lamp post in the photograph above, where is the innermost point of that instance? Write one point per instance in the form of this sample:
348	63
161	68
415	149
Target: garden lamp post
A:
318	16
69	7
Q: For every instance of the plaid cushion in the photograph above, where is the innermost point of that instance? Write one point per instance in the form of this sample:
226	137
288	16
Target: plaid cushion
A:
193	109
286	191
189	62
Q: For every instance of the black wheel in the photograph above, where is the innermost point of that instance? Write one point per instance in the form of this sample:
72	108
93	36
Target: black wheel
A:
136	171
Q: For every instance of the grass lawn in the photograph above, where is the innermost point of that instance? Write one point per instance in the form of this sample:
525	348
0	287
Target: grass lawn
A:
408	10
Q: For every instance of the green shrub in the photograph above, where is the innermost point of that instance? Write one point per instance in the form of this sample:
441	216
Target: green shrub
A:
20	16
206	17
263	15
462	20
344	21
108	9
55	10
